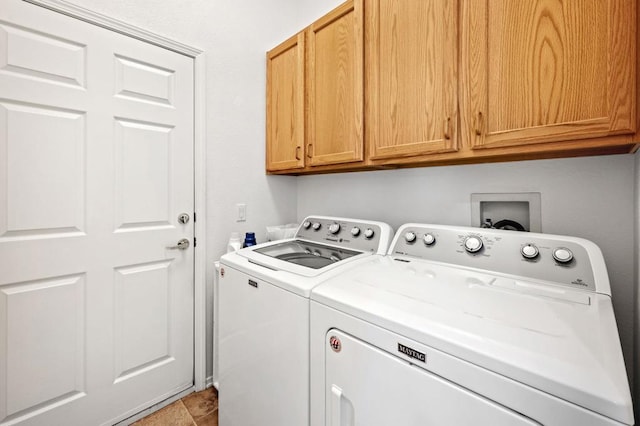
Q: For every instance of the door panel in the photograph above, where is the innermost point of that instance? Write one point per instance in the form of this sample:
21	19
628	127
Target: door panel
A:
54	364
546	71
141	297
143	174
27	160
411	66
96	131
31	52
143	82
335	84
285	104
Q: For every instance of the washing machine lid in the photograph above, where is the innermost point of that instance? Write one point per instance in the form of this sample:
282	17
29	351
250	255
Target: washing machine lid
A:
321	244
306	253
291	281
299	257
556	339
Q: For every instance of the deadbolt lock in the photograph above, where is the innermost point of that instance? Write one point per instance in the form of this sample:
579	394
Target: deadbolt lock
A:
183	218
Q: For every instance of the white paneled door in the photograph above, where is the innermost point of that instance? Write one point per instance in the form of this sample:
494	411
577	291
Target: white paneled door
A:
96	166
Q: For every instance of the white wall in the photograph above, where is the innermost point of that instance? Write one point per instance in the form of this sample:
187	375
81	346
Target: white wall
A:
586	197
310	10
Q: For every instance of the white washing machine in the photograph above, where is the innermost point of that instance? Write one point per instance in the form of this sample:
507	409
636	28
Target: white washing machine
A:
469	326
263	304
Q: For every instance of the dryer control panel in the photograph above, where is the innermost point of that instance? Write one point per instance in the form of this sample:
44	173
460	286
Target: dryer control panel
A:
569	261
355	234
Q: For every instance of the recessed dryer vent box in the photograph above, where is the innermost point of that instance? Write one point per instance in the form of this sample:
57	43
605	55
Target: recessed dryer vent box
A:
522	208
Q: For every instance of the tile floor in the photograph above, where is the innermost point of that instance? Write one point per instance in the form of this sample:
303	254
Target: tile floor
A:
196	409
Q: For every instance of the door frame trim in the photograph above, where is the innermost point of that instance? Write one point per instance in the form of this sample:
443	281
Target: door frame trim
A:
199	159
112	24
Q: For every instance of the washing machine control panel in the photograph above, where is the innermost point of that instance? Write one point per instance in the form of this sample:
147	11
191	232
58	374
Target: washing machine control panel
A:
362	235
561	260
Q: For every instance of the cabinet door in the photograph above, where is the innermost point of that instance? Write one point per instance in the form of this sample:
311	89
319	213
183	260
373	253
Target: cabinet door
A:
335	85
546	70
285	105
411	68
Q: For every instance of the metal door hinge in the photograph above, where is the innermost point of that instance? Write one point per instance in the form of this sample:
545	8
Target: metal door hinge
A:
194	240
194	216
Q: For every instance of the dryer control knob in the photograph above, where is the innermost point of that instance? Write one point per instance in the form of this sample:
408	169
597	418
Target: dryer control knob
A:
316	226
334	228
529	251
355	231
429	239
306	224
473	244
562	255
410	237
368	233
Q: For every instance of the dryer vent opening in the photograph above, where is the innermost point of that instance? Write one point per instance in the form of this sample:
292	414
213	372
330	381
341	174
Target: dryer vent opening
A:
511	211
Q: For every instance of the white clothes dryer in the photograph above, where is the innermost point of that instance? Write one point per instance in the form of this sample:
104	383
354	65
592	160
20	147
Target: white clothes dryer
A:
469	326
264	316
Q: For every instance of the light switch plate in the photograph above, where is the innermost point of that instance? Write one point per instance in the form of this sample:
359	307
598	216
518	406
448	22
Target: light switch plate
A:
242	212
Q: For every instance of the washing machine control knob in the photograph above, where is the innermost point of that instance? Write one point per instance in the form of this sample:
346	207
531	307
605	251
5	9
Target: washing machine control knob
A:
473	244
410	237
355	231
368	233
316	226
334	228
429	239
562	255
529	251
306	224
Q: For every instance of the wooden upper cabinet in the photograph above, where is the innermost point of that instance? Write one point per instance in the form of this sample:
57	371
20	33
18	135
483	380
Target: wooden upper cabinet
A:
546	70
384	83
285	105
335	86
411	77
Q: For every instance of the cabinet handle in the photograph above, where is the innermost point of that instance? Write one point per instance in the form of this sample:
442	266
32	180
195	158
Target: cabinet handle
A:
479	123
447	128
297	152
310	150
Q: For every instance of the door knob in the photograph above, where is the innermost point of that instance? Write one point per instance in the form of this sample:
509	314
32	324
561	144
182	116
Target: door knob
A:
183	244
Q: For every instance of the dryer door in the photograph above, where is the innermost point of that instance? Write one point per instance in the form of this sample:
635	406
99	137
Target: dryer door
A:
367	386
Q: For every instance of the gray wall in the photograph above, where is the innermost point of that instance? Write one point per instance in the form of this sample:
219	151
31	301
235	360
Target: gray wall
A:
637	282
588	197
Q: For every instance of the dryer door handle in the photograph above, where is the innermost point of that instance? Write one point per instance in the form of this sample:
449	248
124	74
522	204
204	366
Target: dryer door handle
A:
336	402
341	408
